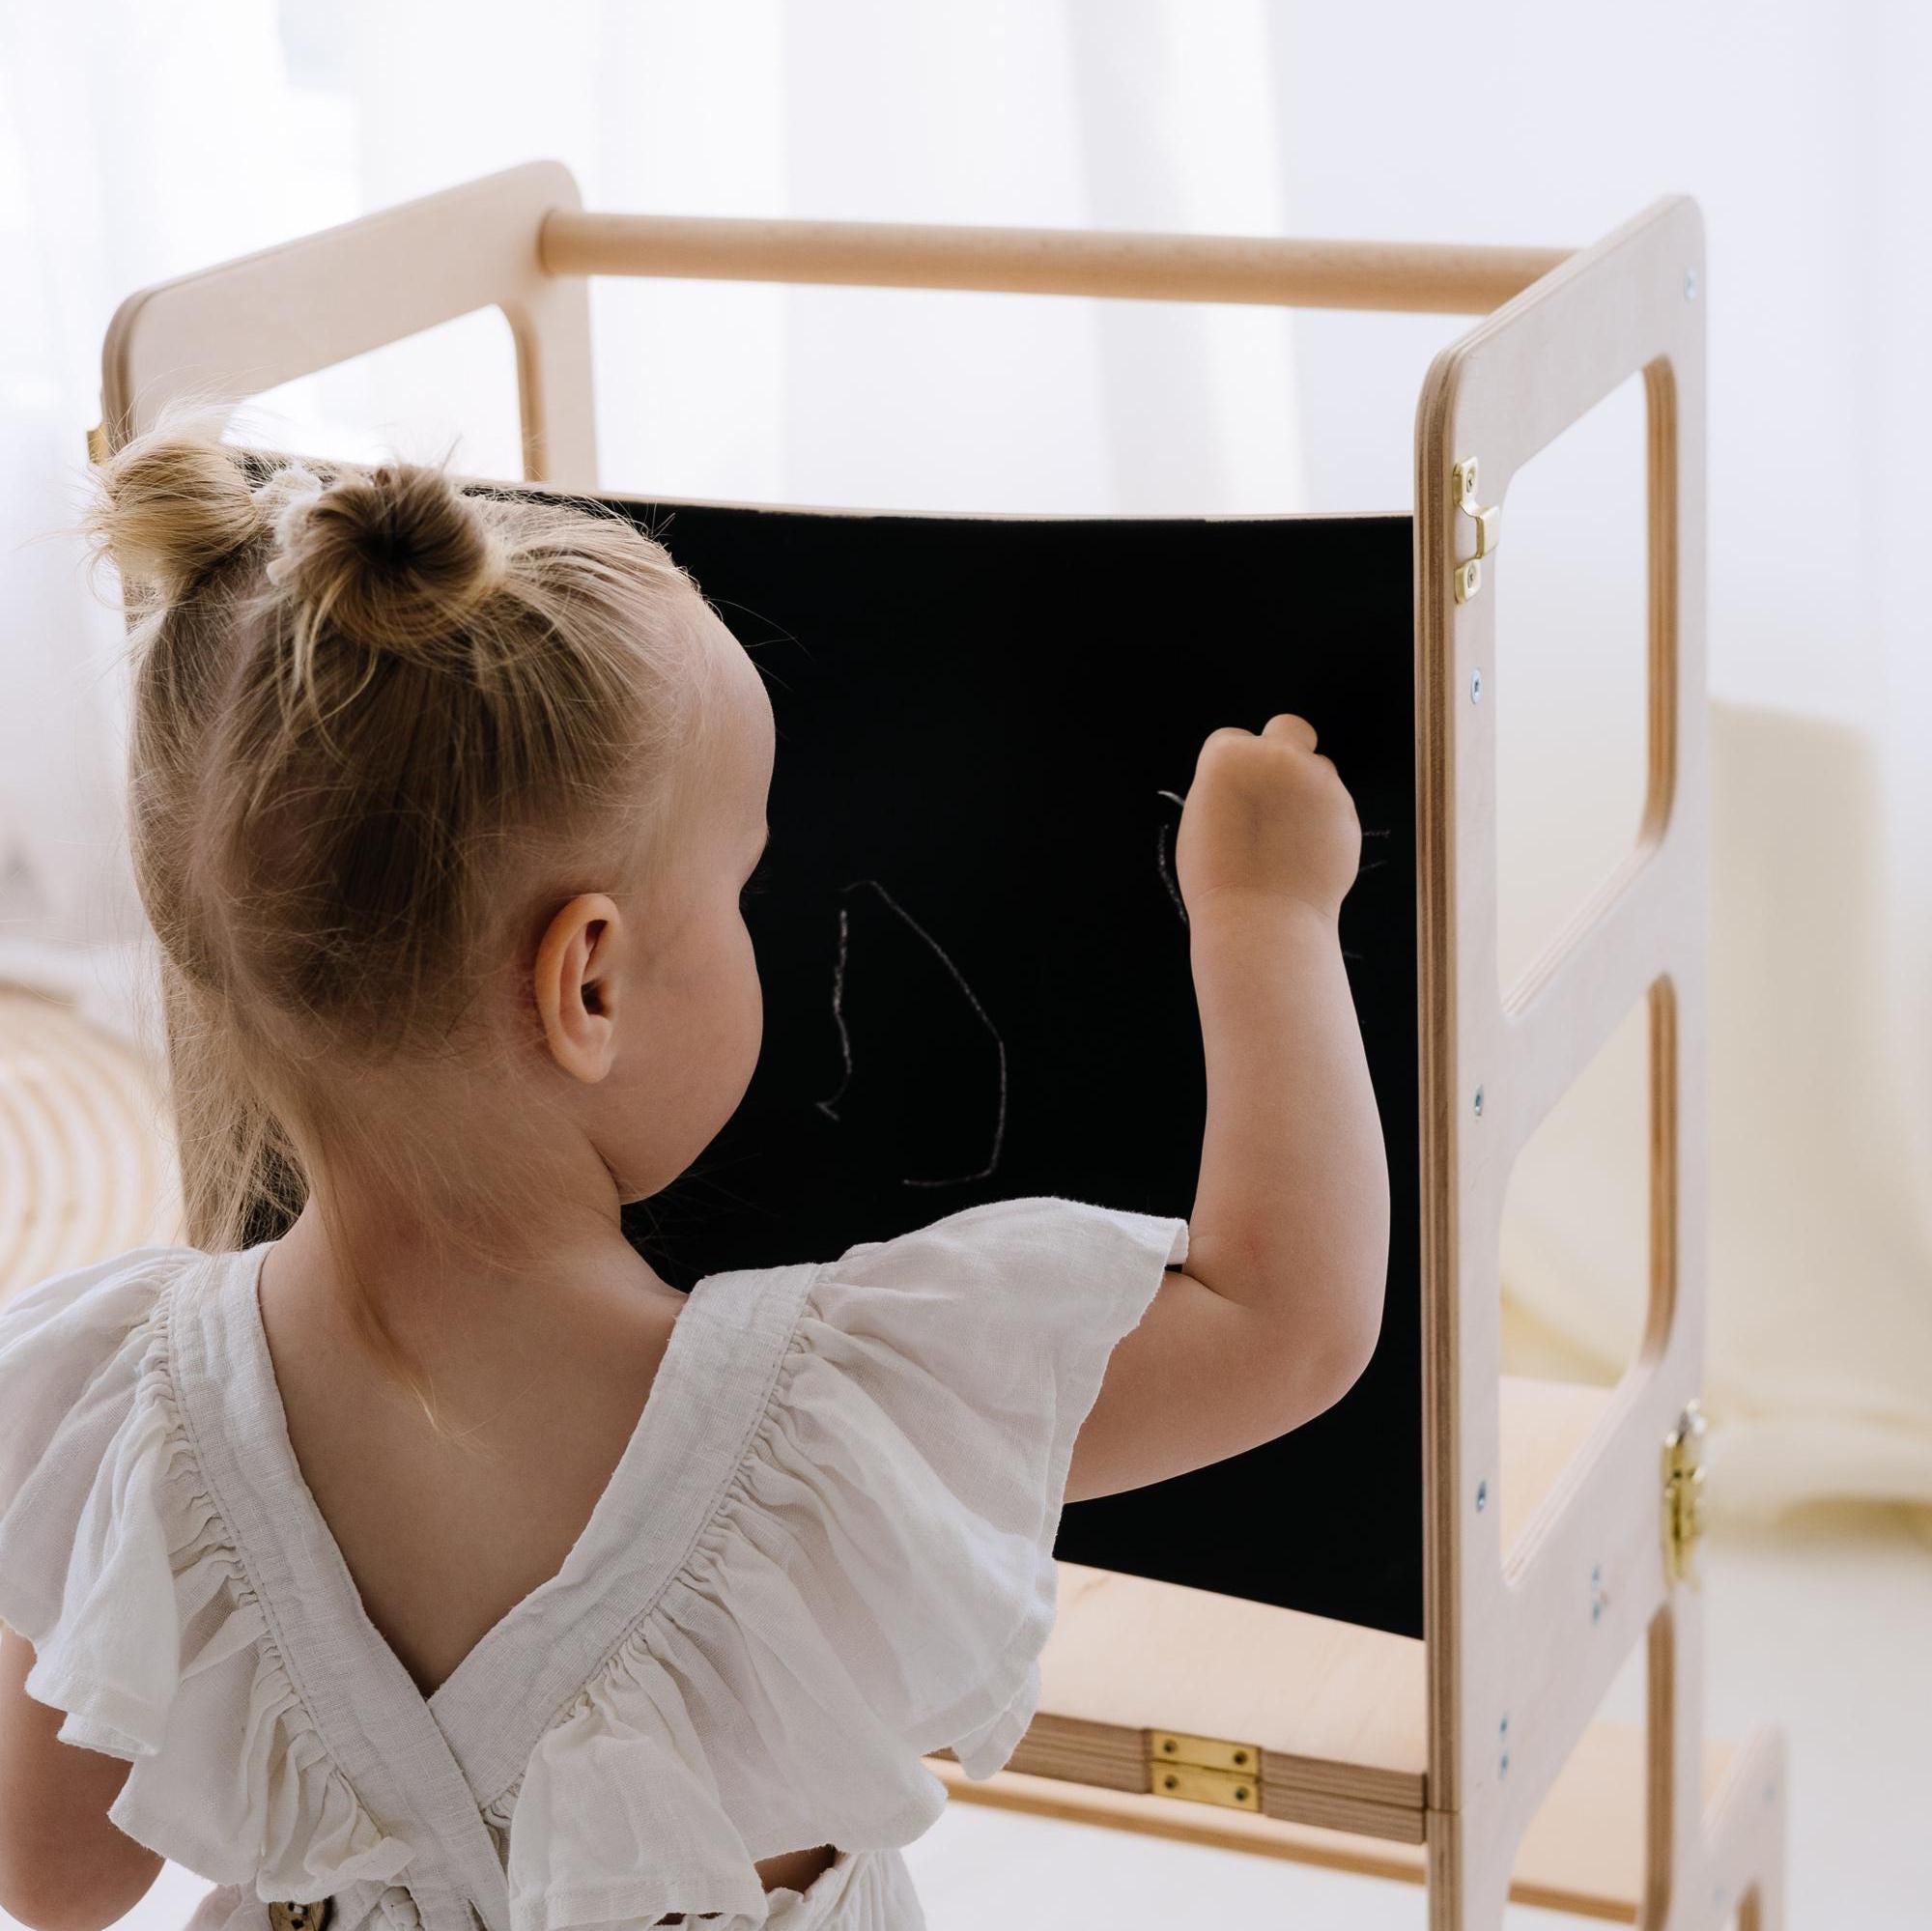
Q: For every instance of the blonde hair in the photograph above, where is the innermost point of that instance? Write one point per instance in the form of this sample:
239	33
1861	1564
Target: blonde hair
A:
367	706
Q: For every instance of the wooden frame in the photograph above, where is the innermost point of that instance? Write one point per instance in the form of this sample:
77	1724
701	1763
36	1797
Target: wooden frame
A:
1468	1760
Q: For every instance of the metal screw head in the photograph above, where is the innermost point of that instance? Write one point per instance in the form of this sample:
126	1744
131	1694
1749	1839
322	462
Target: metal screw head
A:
1482	1496
1479	1103
1690	284
1475	686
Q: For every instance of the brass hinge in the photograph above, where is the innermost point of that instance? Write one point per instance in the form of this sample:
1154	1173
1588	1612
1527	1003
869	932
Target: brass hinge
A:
1684	1494
1204	1770
1489	528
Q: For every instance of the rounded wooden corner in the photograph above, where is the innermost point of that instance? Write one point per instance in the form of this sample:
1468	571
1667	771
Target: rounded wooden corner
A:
554	177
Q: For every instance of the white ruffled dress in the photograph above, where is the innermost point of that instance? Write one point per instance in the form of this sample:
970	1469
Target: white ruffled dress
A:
825	1553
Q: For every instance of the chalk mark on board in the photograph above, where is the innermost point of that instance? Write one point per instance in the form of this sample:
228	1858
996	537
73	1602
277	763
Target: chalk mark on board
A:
1166	873
829	1106
1160	858
1374	863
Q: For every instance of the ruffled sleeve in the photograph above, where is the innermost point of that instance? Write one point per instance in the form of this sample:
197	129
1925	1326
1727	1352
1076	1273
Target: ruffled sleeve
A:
116	1565
71	1358
941	1379
874	1582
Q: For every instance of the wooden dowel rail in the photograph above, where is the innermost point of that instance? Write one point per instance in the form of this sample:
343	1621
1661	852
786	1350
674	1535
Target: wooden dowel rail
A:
1415	276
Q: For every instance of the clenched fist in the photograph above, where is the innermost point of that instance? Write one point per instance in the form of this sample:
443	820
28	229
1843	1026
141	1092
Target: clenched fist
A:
1267	816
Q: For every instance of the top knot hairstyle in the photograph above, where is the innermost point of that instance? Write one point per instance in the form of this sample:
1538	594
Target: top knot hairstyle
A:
396	560
375	712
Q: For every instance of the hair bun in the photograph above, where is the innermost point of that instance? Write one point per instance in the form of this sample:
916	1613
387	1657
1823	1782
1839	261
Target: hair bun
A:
171	505
393	560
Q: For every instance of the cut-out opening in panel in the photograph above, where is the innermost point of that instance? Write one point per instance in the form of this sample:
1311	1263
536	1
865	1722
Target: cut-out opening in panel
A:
1586	1848
445	393
1571	676
1582	1231
1583	1850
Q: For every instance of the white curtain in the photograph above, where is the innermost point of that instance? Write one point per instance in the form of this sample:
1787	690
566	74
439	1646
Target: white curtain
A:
139	141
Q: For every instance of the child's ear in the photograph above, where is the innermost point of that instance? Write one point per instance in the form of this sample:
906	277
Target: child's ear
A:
577	985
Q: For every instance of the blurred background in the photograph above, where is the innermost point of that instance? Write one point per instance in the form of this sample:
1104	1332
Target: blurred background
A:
141	139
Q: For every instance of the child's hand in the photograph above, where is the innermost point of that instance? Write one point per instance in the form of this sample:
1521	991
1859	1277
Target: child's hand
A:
1267	816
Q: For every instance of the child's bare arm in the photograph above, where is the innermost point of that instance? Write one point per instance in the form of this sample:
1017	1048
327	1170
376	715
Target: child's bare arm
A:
62	1865
1278	1311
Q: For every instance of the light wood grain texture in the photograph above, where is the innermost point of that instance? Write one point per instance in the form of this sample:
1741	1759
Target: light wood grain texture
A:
1430	276
250	324
1582	1853
1523	1641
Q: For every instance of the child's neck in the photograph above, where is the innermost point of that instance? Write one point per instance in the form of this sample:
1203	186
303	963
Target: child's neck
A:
495	1277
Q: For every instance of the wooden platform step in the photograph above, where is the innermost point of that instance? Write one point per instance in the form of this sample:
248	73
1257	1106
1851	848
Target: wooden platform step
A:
1583	1853
1336	1712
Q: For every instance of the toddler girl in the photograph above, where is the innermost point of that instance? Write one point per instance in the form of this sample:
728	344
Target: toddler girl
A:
435	1564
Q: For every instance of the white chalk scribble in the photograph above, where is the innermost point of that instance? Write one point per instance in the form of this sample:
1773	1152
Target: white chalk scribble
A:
829	1105
1166	872
1160	858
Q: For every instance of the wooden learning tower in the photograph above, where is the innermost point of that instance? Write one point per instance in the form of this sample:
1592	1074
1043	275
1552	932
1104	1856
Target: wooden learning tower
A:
1559	1522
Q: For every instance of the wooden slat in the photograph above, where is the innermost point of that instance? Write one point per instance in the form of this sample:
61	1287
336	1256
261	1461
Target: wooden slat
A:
1421	276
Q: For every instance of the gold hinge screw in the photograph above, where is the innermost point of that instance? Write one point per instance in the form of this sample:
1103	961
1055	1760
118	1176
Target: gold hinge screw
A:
1488	522
1684	1480
1204	1770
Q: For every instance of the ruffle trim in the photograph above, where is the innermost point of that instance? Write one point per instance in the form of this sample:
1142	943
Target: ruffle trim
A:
874	1583
626	1794
151	1637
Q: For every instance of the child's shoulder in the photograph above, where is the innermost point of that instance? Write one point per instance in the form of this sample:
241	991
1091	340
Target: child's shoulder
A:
115	1279
61	1337
79	1396
58	1336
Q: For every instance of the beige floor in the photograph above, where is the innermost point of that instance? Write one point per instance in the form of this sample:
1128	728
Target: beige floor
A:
1828	1624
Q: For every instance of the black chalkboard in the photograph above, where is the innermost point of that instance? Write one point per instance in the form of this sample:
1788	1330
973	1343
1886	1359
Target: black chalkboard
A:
973	960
